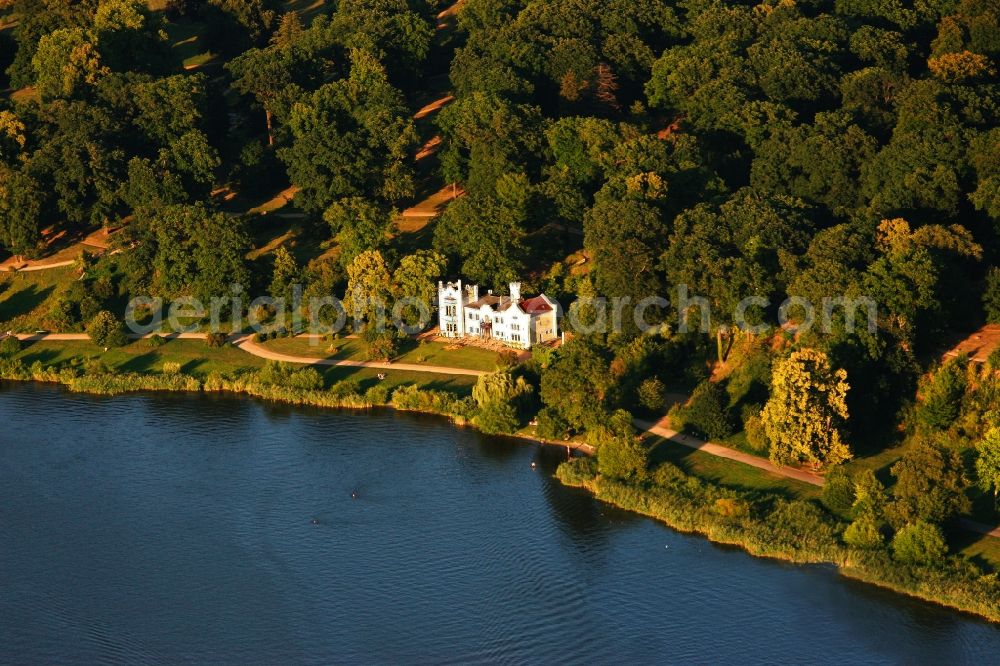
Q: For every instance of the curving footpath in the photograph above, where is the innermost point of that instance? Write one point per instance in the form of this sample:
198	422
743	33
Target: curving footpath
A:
730	454
762	463
247	344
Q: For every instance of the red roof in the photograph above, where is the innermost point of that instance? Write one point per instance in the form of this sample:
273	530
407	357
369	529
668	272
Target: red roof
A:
535	305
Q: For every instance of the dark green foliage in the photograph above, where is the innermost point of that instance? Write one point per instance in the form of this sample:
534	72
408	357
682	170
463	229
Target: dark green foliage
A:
652	394
106	330
941	396
550	425
216	339
838	492
991	295
380	345
931	481
9	346
707	414
577	383
623	458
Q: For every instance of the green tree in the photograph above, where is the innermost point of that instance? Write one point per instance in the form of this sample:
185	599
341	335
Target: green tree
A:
286	274
624	238
65	62
369	288
988	462
416	279
807	410
358	225
920	543
930	485
488	233
620	455
351	137
864	533
652	394
707	413
500	398
21	201
106	330
941	396
577	383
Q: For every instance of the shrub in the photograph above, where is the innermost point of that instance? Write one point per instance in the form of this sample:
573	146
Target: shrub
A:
577	471
622	458
216	339
753	427
707	415
106	331
380	345
284	375
9	346
651	394
919	543
497	418
95	367
155	340
345	388
506	358
427	400
838	492
377	395
993	360
864	533
171	368
668	474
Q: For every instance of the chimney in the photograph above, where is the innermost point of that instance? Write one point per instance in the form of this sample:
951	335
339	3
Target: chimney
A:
515	291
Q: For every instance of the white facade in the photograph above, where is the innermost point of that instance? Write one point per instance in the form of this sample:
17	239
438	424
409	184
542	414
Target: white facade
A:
512	320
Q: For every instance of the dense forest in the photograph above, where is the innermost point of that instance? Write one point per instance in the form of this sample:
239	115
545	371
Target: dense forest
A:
812	148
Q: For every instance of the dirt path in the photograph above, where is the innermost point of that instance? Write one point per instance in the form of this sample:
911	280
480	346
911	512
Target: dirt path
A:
720	451
730	454
251	347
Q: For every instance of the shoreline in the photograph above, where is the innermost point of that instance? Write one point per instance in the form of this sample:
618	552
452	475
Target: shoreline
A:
581	448
855	565
644	506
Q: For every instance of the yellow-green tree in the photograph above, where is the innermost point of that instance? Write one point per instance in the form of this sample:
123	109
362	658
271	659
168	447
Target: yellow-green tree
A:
369	287
988	462
805	415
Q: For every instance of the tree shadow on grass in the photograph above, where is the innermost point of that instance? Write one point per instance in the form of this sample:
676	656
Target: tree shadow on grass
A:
46	356
142	363
22	302
683	457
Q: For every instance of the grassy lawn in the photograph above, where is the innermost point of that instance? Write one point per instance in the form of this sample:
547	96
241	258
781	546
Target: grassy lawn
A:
186	40
983	550
727	472
368	377
25	298
198	359
422	353
195	357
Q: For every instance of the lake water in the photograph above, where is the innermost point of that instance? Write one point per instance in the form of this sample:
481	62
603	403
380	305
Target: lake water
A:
171	528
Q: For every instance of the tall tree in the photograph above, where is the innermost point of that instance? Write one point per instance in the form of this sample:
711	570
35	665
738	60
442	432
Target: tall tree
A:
805	416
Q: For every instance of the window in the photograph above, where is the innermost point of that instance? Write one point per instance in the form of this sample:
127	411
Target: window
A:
449	311
515	327
453	328
516	337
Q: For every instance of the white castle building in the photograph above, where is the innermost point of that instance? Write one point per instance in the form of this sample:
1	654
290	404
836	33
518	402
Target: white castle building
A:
514	321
